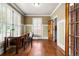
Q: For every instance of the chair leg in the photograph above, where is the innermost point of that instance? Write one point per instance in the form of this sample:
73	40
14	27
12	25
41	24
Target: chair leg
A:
17	46
31	43
24	45
5	45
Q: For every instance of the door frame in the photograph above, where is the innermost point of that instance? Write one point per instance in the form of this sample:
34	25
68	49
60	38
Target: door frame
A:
56	30
67	29
55	27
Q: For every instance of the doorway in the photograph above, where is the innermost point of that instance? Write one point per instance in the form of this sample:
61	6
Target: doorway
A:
50	30
55	29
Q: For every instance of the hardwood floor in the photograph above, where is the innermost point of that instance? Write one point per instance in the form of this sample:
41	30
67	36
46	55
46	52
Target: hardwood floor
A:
39	48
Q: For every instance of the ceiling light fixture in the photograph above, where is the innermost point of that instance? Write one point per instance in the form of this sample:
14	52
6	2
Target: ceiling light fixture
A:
36	4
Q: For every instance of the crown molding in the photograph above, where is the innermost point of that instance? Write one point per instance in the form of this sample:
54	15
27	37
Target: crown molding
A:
56	8
13	5
37	15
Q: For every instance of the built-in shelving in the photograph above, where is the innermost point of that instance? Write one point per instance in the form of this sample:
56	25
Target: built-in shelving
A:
74	28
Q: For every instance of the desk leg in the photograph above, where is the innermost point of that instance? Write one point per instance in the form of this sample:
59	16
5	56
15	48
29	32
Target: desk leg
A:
5	45
17	42
24	44
31	43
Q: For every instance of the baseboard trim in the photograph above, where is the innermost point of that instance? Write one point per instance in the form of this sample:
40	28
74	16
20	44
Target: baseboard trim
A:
61	50
40	39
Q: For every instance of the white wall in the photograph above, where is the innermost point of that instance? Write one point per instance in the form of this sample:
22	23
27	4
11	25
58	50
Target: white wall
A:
60	14
61	34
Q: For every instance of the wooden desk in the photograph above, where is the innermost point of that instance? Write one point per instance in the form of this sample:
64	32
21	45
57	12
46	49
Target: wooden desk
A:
17	43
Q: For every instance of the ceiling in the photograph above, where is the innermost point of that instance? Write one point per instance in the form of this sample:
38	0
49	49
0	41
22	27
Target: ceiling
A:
42	9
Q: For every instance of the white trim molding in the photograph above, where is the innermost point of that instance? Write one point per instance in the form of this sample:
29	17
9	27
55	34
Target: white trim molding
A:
16	8
54	17
28	25
37	15
32	24
40	38
56	9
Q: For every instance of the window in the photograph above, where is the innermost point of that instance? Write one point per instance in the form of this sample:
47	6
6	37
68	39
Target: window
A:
37	27
9	20
17	24
1	23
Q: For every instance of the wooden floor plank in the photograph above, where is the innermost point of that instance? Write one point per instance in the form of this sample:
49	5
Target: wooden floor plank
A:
39	48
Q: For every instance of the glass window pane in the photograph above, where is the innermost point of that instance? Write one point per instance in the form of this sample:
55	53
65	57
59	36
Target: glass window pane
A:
37	27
